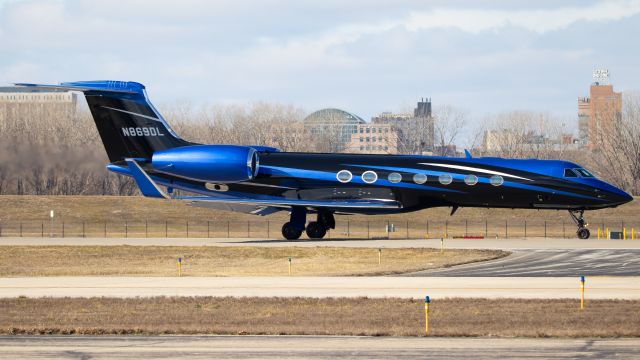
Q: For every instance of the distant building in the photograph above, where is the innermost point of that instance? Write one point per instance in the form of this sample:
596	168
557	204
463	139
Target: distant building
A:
498	141
598	113
333	127
415	131
16	101
374	139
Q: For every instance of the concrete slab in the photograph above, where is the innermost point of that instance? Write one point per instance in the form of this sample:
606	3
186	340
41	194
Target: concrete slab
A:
404	287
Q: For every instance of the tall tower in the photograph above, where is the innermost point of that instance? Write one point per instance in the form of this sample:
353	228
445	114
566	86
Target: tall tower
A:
599	113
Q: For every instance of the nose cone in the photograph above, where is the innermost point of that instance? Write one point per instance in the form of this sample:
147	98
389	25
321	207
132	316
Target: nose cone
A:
613	195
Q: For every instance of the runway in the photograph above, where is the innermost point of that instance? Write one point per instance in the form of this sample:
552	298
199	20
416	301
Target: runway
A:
489	243
321	287
550	263
316	347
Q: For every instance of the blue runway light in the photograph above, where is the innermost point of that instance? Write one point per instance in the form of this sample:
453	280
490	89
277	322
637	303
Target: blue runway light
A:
427	300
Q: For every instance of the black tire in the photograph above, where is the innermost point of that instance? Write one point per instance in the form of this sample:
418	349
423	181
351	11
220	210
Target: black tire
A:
315	230
583	233
290	232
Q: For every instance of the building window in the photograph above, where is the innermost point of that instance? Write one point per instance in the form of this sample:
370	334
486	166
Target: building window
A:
496	180
395	177
373	130
361	130
368	139
373	139
470	180
419	178
368	130
361	139
344	176
369	177
445	179
361	147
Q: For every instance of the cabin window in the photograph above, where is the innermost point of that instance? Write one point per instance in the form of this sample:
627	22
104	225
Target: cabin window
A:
445	179
570	173
470	180
419	178
496	180
584	173
395	177
369	177
344	176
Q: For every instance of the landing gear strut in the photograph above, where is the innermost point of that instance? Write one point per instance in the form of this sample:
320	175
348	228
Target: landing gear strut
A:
577	216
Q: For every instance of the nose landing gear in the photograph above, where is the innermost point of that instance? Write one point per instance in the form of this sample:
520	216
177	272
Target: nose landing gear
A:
577	216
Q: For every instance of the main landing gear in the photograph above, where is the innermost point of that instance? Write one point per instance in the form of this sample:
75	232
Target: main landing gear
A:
577	216
292	230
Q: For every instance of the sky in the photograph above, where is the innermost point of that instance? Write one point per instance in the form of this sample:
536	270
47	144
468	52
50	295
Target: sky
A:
484	57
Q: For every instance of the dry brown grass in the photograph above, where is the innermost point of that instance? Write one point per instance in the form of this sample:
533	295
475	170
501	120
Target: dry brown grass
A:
307	316
146	217
225	261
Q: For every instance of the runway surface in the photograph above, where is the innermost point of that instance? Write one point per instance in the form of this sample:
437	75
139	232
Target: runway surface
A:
504	244
316	347
550	263
404	287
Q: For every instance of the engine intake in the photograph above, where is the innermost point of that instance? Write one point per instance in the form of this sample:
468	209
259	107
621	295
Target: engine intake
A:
211	163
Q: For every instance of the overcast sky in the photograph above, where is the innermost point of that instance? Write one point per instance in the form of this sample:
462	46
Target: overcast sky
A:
362	56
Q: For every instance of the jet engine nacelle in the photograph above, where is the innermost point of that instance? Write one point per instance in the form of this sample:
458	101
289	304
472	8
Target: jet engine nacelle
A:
211	163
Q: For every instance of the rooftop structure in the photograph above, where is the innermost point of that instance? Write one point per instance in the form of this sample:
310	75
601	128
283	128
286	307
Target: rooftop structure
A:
333	127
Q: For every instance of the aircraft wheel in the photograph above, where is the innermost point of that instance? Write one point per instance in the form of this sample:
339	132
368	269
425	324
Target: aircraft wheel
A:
583	233
290	232
315	230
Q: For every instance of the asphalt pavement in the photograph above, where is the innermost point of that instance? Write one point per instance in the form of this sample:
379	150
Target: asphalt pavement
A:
315	347
550	263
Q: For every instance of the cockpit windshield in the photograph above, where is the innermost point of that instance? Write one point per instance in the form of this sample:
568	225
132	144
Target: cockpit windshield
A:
584	173
577	172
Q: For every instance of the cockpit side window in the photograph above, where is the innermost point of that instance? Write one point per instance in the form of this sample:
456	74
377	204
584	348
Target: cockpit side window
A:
570	173
584	173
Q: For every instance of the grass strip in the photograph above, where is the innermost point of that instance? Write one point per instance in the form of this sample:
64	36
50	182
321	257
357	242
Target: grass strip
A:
226	261
309	316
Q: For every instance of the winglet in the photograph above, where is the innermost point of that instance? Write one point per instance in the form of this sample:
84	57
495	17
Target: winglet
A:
467	154
147	187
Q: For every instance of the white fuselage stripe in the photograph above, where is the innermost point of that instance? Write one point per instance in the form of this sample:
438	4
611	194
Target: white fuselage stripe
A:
469	168
132	113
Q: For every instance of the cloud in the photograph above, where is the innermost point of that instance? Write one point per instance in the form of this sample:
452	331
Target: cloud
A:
366	56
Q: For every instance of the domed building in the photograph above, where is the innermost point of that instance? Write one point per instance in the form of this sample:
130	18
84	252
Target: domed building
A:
332	127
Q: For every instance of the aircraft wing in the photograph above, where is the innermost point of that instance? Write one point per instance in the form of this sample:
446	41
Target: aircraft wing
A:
287	203
258	206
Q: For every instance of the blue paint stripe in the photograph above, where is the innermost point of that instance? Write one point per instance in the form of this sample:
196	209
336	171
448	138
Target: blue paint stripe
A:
481	179
330	176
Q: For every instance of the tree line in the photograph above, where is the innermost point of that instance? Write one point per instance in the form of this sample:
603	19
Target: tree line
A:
50	151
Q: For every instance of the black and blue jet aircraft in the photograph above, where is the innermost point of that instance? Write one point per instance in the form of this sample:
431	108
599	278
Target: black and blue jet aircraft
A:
263	180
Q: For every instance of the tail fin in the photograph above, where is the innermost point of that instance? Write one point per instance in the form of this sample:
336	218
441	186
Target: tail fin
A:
129	125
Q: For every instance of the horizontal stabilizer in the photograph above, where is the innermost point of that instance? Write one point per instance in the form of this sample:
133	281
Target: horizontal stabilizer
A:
146	185
98	85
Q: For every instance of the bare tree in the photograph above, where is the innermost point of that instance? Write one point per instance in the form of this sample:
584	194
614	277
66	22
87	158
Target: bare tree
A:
449	122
